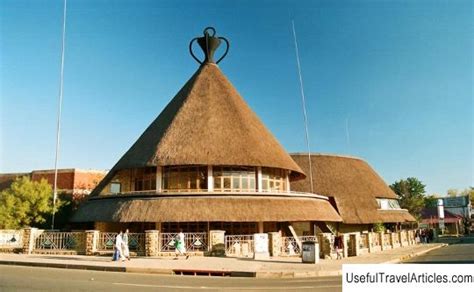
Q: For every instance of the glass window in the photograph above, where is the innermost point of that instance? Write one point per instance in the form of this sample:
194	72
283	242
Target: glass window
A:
234	179
388	204
273	179
144	179
185	178
115	188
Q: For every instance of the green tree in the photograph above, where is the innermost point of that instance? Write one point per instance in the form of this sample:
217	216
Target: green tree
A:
411	195
26	203
469	192
431	200
453	193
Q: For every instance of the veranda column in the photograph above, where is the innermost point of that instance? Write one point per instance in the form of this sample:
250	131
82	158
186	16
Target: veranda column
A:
370	239
159	179
210	179
152	238
288	181
345	240
92	237
29	239
382	240
260	227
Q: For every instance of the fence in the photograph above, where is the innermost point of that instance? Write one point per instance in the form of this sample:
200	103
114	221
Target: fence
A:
386	239
290	247
136	242
106	241
53	240
239	245
364	241
11	239
193	241
375	239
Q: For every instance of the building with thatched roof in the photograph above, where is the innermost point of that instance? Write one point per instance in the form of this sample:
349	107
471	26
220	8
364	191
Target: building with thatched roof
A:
206	162
357	192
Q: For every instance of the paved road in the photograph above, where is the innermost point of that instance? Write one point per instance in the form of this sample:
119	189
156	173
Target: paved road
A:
16	278
458	253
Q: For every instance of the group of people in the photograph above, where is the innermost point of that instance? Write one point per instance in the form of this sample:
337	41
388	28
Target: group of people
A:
424	235
121	250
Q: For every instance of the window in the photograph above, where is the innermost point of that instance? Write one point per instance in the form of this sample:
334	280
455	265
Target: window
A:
273	179
115	187
388	204
145	179
234	179
185	178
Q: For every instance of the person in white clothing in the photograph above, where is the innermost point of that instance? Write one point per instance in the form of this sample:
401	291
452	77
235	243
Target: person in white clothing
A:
180	245
119	245
125	249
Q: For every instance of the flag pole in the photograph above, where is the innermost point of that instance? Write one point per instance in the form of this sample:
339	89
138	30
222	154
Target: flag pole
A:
58	127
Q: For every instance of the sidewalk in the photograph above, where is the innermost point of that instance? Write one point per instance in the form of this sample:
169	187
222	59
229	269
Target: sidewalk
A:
282	267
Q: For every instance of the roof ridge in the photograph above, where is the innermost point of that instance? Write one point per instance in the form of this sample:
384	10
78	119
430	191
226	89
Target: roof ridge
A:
327	154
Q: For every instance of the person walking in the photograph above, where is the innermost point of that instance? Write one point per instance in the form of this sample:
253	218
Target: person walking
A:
180	245
125	249
339	246
118	252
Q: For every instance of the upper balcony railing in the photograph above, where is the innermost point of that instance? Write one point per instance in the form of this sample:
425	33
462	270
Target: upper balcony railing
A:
192	192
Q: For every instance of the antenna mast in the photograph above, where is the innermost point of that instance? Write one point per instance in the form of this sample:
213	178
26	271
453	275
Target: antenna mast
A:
58	129
304	107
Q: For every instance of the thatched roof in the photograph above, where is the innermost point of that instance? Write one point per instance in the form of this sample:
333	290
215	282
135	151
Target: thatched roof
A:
206	123
353	184
205	208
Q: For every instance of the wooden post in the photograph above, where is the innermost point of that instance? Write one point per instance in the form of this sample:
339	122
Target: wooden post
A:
210	179
159	178
259	179
260	227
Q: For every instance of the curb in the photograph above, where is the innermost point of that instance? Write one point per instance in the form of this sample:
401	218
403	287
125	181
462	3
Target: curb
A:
64	266
178	272
415	254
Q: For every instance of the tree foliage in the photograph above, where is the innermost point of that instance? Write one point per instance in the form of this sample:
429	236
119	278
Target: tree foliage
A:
26	203
431	201
411	195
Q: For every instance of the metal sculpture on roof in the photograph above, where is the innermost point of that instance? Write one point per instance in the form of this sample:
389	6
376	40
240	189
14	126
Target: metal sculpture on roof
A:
209	44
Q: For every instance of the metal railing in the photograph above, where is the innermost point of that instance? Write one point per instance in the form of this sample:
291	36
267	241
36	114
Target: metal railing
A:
136	241
61	241
196	241
239	245
290	247
106	241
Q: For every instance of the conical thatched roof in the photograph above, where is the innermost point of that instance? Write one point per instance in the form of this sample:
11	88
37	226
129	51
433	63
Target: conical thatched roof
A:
353	184
206	123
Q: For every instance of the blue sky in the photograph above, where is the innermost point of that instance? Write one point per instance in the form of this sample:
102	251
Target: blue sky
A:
388	81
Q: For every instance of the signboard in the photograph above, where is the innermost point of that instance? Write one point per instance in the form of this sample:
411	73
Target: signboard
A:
440	209
260	241
453	202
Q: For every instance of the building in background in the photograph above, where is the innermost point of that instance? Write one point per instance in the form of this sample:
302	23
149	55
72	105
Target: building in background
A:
453	223
78	183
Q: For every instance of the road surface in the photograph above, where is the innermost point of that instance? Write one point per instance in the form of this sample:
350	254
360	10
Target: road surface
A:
16	278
